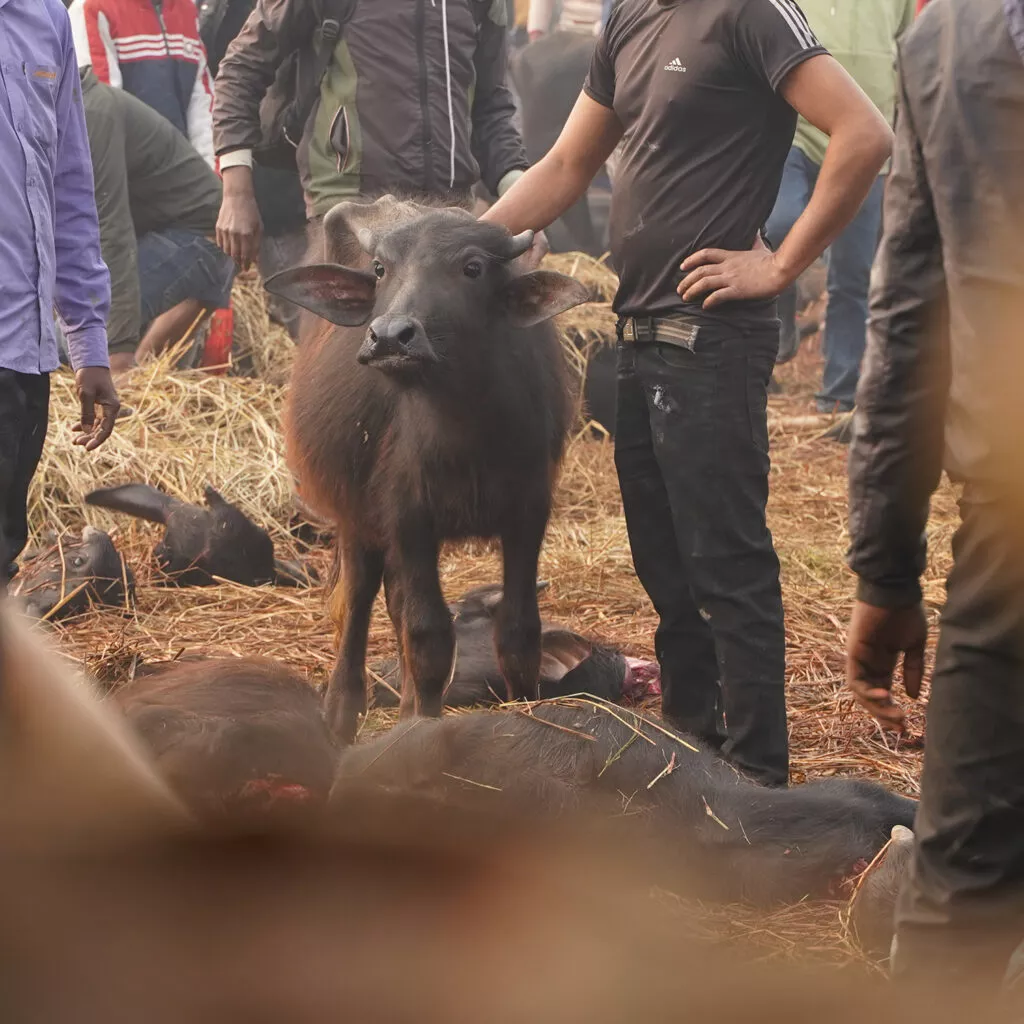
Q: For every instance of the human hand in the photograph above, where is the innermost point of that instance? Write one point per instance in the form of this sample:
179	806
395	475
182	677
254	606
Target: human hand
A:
724	276
239	227
95	387
876	639
531	259
535	35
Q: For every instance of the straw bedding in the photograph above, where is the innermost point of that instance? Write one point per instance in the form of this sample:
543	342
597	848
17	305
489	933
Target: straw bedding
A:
188	429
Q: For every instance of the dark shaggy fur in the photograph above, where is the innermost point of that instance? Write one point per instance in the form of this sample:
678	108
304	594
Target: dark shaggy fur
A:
233	736
742	841
446	418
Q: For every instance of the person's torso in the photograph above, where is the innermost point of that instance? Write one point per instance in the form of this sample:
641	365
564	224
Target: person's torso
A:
964	81
396	102
158	53
861	35
169	184
31	66
105	126
704	147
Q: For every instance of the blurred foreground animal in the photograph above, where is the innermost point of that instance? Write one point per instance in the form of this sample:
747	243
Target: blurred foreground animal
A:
445	418
569	663
70	770
234	737
201	543
114	909
738	840
70	576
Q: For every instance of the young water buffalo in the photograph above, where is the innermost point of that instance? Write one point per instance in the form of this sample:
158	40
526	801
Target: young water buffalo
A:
233	736
739	839
569	663
71	575
445	418
201	543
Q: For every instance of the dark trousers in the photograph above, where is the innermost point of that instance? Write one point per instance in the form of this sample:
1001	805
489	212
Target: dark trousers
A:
691	449
961	913
24	414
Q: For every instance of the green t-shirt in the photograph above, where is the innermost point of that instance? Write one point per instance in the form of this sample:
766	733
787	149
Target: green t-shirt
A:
861	35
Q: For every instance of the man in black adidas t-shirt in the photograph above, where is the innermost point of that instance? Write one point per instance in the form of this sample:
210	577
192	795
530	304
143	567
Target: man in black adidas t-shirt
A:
704	95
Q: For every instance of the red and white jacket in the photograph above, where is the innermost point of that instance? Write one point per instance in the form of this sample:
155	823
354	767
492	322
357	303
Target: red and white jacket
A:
152	49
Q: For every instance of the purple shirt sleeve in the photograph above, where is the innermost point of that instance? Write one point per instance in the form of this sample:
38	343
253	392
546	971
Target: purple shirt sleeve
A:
82	294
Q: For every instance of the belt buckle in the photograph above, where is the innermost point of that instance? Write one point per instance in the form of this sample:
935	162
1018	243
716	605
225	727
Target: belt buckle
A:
643	330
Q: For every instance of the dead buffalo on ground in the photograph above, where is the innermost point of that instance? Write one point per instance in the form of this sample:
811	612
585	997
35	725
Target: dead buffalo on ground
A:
740	840
202	543
445	418
873	906
115	907
569	663
233	736
70	576
548	75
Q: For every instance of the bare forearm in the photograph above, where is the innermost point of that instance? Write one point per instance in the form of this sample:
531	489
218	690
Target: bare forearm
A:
551	186
539	197
852	162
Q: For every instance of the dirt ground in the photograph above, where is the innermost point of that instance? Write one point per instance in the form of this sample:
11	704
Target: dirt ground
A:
592	586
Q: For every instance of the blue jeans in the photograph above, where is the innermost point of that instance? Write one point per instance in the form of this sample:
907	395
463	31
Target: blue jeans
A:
849	271
175	265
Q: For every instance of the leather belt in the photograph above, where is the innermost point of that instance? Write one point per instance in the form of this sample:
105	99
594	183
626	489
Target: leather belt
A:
648	330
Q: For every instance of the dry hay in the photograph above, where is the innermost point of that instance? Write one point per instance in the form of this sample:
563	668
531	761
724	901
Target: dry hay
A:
261	348
188	429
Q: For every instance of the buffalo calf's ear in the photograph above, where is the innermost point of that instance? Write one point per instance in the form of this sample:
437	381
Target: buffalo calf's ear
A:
541	295
561	652
338	294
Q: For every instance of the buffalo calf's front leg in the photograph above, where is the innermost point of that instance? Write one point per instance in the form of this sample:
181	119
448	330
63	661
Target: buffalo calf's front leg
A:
428	639
361	572
517	622
394	596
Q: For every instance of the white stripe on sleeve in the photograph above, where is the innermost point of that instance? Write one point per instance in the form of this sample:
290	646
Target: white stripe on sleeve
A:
803	34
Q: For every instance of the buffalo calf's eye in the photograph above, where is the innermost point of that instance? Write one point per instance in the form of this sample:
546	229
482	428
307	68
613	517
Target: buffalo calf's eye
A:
378	269
474	268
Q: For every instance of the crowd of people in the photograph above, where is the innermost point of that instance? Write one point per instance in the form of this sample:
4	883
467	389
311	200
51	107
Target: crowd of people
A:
174	144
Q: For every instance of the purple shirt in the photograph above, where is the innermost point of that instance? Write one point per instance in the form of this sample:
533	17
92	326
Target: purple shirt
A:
50	239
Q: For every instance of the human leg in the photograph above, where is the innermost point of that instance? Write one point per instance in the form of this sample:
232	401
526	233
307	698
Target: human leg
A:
181	273
691	695
708	418
849	272
961	913
277	253
798	178
24	416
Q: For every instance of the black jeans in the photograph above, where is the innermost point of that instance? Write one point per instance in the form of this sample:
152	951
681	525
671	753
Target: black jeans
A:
691	449
961	913
24	415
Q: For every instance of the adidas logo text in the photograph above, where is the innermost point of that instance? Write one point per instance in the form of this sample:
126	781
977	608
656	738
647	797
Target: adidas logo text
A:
675	65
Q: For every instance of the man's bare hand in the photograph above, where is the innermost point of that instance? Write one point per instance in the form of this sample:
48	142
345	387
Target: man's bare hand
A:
239	228
877	638
95	388
530	260
723	276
